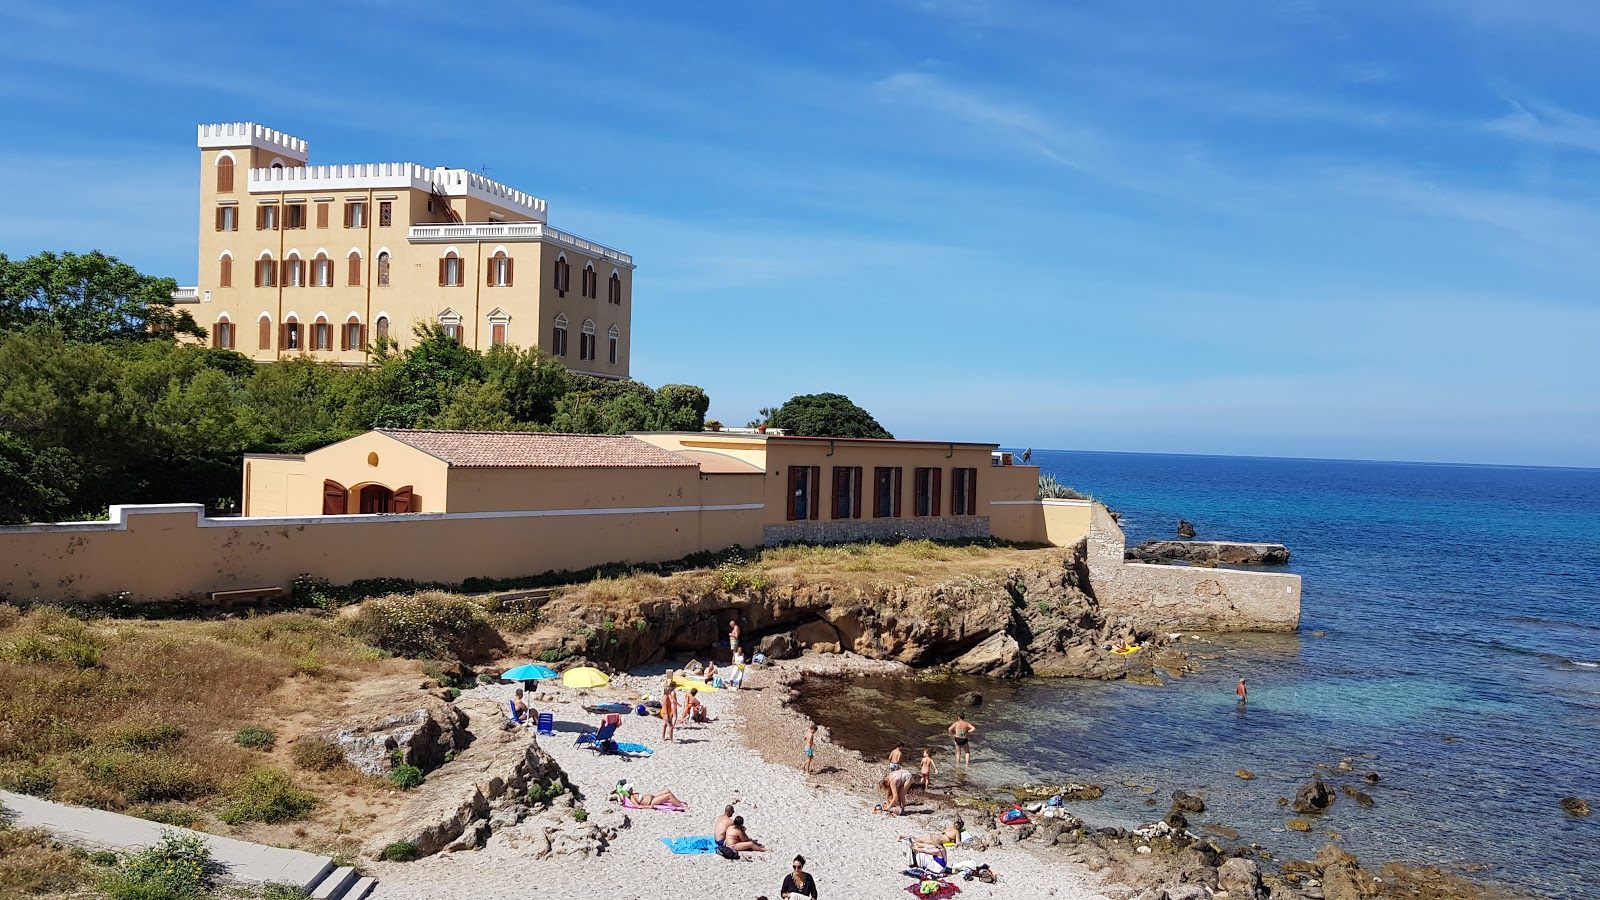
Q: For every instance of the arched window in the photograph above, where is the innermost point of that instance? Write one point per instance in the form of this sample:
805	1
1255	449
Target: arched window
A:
591	282
225	175
321	334
614	335
351	337
450	270
558	339
586	340
266	271
222	333
225	270
499	324
322	270
294	274
291	333
450	322
500	270
264	342
561	275
614	289
383	327
355	268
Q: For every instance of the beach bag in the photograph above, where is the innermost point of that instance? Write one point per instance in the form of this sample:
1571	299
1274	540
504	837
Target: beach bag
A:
1013	816
727	852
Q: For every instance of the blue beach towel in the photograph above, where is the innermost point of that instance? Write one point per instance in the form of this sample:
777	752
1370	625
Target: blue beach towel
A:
690	845
639	749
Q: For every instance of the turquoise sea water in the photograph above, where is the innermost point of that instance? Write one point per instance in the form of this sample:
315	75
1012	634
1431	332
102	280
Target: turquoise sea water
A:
1459	612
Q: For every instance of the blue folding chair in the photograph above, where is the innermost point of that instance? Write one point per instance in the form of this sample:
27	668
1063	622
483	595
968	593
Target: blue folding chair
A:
547	723
601	742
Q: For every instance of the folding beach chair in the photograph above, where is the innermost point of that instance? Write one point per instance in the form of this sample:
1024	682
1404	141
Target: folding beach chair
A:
547	723
600	741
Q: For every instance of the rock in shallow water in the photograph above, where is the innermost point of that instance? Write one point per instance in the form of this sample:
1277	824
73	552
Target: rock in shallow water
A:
1575	806
1297	825
1362	798
1187	802
1246	774
1313	797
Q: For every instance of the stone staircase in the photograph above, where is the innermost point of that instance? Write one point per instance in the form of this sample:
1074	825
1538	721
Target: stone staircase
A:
242	860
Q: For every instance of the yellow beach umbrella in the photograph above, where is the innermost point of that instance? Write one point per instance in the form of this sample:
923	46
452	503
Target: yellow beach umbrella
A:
585	677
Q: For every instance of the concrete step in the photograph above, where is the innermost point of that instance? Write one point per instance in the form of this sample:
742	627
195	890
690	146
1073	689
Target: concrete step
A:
360	889
333	886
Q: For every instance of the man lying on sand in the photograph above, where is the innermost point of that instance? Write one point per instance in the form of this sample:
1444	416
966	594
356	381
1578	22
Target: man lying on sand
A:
935	843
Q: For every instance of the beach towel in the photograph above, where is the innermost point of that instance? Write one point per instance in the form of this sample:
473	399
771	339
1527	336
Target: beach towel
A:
691	845
944	889
663	807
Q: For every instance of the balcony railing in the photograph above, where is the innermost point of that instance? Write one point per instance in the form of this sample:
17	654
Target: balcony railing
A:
513	231
186	295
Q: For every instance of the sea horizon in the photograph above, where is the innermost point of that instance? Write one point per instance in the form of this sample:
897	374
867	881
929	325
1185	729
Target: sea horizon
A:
1341	459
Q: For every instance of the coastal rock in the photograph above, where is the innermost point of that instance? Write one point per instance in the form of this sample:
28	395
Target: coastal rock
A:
1362	798
779	646
1241	878
997	655
970	698
1185	528
1575	806
1297	825
817	635
423	735
1313	797
1187	802
1372	778
1246	774
1176	821
1209	553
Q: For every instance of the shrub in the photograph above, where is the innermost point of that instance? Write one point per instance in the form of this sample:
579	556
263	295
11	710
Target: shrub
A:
400	851
146	737
317	754
147	777
283	892
407	777
554	655
178	868
309	664
428	624
255	737
33	862
266	795
1050	488
581	814
168	815
27	777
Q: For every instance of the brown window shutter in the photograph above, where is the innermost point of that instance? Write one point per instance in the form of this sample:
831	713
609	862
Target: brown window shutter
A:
225	272
794	485
855	493
224	176
283	336
216	336
403	500
265	340
284	274
355	270
344	338
898	493
510	264
219	218
361	337
261	217
816	495
488	273
972	492
838	479
935	479
877	492
334	498
441	272
322	215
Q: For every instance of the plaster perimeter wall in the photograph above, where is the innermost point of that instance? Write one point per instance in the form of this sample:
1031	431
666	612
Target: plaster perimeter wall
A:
172	551
1187	596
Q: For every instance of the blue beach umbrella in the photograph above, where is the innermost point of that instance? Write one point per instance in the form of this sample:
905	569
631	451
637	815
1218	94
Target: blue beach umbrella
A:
528	673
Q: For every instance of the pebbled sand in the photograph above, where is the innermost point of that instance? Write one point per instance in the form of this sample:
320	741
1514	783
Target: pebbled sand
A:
850	850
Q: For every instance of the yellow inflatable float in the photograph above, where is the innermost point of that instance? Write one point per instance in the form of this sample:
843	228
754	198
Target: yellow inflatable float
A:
1127	650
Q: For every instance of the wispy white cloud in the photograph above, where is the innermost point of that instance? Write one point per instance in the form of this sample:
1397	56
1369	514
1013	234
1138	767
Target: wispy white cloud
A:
1541	122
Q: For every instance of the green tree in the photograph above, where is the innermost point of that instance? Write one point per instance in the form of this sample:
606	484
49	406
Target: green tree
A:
427	372
764	415
531	380
680	407
826	415
35	485
90	298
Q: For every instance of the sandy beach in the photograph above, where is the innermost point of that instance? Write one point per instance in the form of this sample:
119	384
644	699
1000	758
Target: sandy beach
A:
850	850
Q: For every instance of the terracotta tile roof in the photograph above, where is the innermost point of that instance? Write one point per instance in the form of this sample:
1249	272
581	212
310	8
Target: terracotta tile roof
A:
516	449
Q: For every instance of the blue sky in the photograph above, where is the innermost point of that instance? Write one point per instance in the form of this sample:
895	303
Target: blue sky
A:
1300	228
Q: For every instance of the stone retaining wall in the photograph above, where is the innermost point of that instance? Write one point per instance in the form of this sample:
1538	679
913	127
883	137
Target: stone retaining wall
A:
844	531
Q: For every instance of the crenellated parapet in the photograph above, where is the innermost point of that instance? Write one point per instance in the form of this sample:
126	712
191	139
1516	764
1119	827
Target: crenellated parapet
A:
398	176
248	134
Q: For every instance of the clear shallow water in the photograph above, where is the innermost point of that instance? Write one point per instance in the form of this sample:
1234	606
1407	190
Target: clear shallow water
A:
1456	602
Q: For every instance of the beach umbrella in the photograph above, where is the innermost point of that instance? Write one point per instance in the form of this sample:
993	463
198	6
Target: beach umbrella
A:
528	673
585	677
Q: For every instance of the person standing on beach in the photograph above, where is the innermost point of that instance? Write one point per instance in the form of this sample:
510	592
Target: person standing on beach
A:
798	883
811	746
960	733
897	754
669	708
1243	694
928	768
733	636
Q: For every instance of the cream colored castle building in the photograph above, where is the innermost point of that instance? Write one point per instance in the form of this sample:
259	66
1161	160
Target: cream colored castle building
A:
322	260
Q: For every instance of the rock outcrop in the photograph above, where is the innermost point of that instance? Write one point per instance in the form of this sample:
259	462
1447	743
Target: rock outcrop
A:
1313	797
419	732
1185	528
1209	553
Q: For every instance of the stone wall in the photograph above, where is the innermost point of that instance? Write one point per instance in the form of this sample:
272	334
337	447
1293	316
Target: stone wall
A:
1171	596
844	531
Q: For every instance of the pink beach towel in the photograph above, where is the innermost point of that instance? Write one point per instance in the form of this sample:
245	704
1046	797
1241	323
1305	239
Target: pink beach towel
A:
663	807
946	889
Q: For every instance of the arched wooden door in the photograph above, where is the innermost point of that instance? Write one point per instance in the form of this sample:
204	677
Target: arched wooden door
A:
335	499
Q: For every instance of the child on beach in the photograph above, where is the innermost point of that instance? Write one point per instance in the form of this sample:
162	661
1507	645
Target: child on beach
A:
928	768
811	746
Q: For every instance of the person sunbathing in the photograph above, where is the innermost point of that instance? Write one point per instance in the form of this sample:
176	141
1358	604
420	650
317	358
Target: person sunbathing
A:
737	838
660	798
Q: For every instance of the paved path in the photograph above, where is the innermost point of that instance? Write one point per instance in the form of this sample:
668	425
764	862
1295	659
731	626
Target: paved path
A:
242	860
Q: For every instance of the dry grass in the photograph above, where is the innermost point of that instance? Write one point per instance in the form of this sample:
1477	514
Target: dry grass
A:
32	863
122	714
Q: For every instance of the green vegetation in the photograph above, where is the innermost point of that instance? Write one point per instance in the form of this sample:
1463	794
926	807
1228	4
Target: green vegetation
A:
400	851
406	777
429	624
32	862
100	405
1052	489
825	415
317	754
266	795
255	737
178	868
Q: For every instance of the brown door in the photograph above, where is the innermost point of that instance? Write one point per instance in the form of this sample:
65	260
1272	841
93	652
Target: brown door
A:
334	498
375	498
404	500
